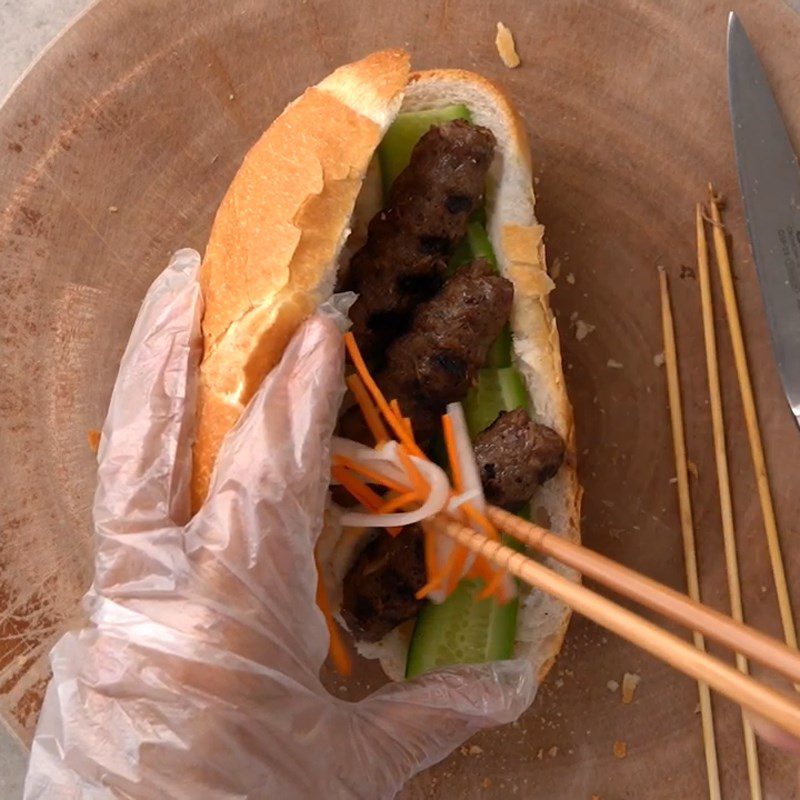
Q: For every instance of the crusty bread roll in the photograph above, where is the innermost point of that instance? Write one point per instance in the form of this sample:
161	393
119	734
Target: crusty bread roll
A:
272	258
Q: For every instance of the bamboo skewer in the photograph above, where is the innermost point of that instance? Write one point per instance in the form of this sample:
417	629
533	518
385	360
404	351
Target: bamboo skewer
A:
723	481
742	689
751	422
687	527
653	595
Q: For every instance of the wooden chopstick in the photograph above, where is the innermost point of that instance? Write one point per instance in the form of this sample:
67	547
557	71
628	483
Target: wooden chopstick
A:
723	482
653	595
742	689
751	423
687	525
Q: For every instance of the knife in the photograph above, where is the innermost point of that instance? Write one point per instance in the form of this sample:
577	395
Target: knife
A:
769	178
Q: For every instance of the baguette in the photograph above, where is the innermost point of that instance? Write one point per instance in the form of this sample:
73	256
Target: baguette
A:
272	252
272	258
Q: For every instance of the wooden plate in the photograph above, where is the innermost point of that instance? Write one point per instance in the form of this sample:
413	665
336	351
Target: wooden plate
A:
117	148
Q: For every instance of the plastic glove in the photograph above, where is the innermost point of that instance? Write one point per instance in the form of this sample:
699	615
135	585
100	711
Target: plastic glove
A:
197	675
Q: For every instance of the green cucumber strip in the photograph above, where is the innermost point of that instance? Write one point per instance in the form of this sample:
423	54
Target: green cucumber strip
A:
496	390
501	352
462	630
404	133
479	243
462	255
479	216
475	244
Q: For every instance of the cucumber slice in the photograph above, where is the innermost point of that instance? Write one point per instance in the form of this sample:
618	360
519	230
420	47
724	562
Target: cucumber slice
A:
404	133
462	255
501	350
475	244
496	390
462	630
479	244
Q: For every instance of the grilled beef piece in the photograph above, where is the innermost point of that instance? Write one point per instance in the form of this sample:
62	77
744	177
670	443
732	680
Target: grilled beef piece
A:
379	588
514	456
430	202
437	361
450	336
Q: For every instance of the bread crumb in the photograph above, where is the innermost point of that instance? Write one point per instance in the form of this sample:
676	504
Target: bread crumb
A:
613	363
582	329
486	783
555	268
93	437
559	683
693	471
571	278
612	686
475	750
658	359
504	42
553	751
113	209
620	749
630	680
573	316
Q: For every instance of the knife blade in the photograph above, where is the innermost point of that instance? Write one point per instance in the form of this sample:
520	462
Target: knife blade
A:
769	178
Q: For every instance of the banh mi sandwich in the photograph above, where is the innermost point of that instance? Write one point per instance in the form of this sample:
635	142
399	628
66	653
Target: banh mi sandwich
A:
413	191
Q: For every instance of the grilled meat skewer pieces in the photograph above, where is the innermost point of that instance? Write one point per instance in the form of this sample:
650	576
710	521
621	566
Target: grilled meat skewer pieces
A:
436	362
514	456
404	259
380	587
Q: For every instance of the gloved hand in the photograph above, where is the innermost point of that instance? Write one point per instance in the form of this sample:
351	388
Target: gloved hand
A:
197	675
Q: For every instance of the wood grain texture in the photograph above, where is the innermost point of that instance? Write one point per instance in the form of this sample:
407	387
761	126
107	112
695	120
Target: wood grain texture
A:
147	107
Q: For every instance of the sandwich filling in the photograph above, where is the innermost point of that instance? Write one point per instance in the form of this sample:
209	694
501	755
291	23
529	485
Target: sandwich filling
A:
431	321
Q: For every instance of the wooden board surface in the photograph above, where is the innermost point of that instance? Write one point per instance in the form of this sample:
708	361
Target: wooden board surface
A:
116	150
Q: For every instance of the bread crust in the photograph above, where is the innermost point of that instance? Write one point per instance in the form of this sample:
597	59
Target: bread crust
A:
272	252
